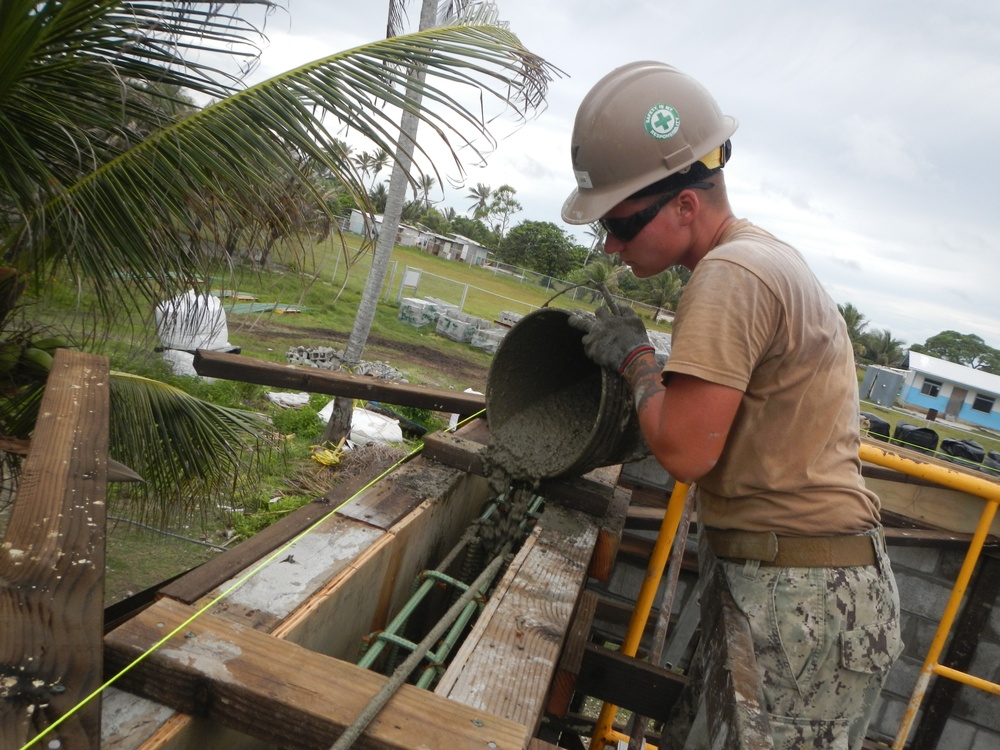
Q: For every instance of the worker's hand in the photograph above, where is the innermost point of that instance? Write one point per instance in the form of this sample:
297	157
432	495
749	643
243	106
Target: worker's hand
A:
610	339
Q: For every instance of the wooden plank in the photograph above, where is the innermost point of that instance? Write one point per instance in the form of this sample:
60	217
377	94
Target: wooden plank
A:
930	504
732	690
628	682
315	380
281	693
506	663
907	537
564	682
52	563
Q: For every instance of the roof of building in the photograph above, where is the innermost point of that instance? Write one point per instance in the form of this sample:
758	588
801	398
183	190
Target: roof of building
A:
966	376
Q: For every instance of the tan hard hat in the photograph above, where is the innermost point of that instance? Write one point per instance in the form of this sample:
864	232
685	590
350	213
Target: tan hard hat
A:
639	124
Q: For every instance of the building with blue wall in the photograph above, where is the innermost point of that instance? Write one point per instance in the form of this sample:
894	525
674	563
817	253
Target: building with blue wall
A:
954	391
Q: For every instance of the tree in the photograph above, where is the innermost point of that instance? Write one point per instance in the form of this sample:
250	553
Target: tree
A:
597	233
663	290
423	191
543	247
882	349
601	270
480	197
502	206
105	181
856	325
474	229
962	348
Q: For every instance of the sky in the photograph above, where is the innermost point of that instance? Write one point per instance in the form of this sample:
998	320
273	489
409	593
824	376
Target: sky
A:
867	138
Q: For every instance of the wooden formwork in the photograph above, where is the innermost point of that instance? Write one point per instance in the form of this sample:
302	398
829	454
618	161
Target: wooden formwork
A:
257	648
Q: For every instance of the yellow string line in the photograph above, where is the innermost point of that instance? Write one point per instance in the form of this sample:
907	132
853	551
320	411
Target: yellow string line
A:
260	566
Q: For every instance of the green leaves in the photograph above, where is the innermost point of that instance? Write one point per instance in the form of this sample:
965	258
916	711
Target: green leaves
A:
92	191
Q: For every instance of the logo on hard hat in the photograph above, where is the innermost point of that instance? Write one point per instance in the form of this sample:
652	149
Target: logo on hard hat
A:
662	121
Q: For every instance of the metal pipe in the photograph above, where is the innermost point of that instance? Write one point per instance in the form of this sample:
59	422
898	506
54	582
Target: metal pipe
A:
983	488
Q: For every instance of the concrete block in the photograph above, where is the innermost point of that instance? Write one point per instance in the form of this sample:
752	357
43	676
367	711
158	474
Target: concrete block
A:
950	565
440	306
488	339
455	329
922	595
661	344
886	719
508	318
646	473
417	312
902	678
919	559
958	735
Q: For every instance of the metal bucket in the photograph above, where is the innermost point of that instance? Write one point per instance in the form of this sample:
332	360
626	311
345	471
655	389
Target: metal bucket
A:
551	410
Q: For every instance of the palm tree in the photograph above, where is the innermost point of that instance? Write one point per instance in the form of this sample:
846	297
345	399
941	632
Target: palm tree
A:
882	349
597	233
427	183
602	270
856	325
663	290
526	78
84	190
480	197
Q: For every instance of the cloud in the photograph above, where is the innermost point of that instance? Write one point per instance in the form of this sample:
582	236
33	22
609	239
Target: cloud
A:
876	148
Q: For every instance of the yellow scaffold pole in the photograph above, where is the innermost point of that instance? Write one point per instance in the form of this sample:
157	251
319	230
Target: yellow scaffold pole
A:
604	729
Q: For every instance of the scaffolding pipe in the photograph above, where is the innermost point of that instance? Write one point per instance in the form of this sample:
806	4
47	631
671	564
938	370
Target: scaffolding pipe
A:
604	728
983	488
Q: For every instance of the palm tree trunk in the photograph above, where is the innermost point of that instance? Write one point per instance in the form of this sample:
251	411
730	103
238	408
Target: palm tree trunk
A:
340	423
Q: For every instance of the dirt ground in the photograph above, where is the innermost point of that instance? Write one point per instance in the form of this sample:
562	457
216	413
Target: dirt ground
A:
423	364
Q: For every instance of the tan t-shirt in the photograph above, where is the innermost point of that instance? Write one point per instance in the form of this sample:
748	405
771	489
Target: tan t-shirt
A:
754	317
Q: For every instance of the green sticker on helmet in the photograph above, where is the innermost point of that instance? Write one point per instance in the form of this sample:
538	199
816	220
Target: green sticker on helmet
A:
662	121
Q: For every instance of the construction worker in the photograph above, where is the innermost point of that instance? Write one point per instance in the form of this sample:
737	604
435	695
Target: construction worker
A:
757	404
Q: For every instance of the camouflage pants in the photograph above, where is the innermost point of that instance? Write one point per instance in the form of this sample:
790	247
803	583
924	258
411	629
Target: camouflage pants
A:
824	639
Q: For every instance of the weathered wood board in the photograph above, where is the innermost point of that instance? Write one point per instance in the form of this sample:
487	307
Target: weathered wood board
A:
519	635
284	694
52	564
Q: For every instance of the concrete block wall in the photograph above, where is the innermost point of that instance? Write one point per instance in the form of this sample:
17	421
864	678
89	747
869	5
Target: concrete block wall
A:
925	578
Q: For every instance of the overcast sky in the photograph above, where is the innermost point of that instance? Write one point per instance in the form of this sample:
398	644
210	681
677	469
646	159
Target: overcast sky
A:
868	130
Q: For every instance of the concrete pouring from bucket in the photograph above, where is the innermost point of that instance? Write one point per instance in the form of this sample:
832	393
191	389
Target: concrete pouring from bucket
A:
551	410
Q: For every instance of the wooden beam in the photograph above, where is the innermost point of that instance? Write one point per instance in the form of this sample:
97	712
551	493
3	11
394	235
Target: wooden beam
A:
733	693
315	380
281	693
628	682
506	664
564	682
52	564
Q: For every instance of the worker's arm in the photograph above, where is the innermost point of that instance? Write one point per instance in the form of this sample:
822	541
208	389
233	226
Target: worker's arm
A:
686	422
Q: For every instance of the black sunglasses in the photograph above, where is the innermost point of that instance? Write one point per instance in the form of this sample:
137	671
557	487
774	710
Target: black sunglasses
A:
625	228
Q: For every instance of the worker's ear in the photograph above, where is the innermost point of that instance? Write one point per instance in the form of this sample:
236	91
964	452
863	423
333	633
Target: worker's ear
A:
687	205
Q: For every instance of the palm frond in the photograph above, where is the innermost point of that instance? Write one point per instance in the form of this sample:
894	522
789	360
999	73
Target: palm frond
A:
133	216
182	447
